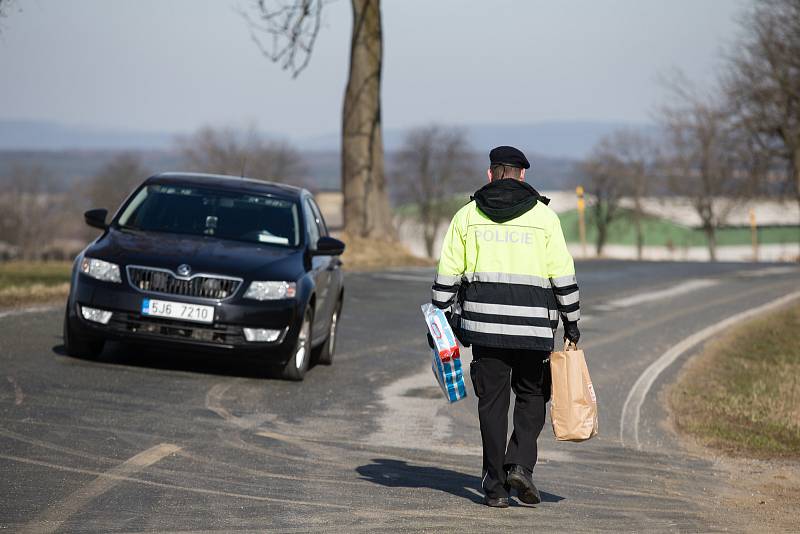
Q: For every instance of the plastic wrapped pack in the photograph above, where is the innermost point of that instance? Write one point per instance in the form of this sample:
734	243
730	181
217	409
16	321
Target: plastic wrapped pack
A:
446	364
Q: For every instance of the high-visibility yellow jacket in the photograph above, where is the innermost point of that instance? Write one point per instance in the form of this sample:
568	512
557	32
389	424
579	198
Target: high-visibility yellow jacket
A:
506	270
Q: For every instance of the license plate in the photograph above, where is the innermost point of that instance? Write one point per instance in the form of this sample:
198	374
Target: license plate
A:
178	310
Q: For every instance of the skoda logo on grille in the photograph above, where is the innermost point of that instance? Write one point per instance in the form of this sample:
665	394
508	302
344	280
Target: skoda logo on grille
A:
184	269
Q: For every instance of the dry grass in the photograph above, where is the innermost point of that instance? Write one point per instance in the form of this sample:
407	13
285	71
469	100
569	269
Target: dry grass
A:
28	282
742	395
32	294
371	254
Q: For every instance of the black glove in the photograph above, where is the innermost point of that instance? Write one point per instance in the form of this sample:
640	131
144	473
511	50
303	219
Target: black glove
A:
430	341
571	331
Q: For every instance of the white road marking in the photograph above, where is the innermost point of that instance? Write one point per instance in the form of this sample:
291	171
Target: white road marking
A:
687	287
631	410
25	311
769	271
650	296
52	519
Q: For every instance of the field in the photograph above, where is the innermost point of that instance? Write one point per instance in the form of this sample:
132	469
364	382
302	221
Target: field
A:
23	283
663	233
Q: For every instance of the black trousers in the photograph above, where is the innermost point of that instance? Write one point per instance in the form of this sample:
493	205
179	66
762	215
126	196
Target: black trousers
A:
495	372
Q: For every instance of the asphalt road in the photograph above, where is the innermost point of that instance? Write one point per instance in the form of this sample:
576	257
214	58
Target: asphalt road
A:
156	441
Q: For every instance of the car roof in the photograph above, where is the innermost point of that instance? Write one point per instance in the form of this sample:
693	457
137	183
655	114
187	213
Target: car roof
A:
230	183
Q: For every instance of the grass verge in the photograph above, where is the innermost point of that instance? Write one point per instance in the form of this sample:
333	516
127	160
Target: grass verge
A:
364	254
742	394
29	282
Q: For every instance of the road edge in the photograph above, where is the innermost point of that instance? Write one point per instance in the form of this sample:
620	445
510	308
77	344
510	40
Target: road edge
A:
631	409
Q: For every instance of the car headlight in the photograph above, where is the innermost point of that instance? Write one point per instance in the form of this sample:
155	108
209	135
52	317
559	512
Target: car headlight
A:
271	290
101	270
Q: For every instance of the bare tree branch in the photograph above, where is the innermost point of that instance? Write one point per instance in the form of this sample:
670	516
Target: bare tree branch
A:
242	152
705	156
621	164
285	32
762	84
427	166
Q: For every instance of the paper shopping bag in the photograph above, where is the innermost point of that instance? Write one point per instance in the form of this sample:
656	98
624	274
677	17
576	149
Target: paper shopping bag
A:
573	405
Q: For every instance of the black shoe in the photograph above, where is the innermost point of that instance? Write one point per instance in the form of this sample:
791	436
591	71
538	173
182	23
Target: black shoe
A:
521	481
496	502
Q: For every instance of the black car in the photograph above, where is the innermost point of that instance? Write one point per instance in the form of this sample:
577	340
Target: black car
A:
213	262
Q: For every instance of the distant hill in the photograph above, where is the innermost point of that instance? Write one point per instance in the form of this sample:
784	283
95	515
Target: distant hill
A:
73	153
564	139
42	135
71	167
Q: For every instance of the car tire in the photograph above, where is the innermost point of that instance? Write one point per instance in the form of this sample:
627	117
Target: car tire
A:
79	346
326	351
295	369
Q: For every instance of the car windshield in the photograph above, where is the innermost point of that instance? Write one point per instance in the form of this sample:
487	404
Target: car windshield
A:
208	212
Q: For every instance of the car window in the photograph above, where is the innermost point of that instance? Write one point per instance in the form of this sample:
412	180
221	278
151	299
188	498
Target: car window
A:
222	214
312	226
323	228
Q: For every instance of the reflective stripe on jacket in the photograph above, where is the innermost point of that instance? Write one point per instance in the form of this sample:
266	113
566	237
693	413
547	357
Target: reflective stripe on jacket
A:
507	281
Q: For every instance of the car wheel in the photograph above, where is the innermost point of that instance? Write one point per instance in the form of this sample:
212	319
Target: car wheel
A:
80	346
328	347
296	367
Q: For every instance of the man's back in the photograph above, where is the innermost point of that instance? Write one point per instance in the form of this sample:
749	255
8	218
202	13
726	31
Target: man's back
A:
506	251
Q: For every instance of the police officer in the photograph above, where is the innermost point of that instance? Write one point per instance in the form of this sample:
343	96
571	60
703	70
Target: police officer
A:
507	275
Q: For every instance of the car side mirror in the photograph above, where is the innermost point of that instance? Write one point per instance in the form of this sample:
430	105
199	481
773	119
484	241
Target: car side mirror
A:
96	218
328	246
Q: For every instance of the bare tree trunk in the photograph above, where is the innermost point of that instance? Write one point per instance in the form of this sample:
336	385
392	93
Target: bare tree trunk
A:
637	224
601	239
429	234
638	188
711	240
366	203
796	171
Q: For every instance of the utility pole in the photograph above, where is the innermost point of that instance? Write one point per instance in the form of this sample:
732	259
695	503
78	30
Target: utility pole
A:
581	219
754	234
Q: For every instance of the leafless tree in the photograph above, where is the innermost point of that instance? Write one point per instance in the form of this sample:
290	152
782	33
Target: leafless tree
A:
602	171
291	28
5	5
763	83
638	154
29	210
427	166
115	181
242	153
621	165
702	155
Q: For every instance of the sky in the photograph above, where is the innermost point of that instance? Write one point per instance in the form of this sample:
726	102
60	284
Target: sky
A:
176	65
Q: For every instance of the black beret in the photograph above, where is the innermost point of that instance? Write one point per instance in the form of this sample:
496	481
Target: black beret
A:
508	156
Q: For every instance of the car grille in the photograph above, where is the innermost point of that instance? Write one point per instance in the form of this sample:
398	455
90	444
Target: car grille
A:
199	285
130	323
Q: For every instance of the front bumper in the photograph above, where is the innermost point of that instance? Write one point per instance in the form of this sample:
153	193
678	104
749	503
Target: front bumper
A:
225	333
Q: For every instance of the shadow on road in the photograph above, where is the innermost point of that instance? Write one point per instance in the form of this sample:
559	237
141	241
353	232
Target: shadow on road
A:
399	474
202	362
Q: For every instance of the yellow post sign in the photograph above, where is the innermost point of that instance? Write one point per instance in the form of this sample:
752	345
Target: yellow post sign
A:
581	218
754	233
